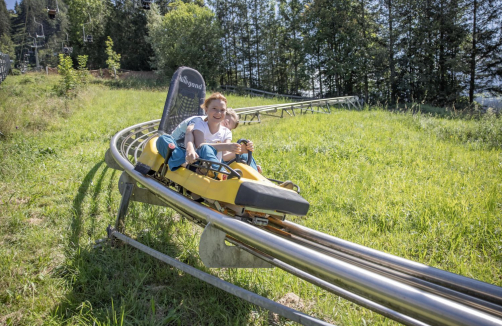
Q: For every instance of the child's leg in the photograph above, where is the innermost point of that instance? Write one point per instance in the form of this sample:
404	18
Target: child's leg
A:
177	156
208	153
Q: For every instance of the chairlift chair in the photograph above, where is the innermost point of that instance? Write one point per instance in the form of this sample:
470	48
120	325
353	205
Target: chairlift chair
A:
42	28
146	4
66	49
88	37
52	12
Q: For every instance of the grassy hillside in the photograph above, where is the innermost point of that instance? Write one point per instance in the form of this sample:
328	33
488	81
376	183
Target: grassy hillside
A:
425	188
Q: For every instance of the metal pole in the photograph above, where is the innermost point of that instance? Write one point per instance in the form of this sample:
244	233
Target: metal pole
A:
382	310
456	282
36	57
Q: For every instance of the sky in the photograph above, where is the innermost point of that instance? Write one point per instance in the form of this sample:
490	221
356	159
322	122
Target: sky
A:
10	4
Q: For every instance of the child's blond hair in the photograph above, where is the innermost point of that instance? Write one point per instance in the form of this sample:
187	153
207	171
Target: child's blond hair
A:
231	112
214	96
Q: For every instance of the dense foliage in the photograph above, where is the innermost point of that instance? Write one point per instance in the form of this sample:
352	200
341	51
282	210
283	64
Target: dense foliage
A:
435	51
186	36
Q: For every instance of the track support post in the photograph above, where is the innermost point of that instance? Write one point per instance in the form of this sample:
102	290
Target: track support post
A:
129	184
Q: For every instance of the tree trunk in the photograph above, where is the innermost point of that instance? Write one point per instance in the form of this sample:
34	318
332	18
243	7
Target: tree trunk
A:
473	53
391	55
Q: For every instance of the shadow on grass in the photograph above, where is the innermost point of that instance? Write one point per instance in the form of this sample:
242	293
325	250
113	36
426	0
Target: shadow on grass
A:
109	285
76	225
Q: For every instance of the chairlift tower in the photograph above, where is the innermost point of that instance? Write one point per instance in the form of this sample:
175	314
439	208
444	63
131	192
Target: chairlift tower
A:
36	46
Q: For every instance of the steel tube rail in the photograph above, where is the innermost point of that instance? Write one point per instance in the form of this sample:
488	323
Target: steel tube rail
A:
453	281
252	297
378	308
335	100
401	277
254	91
382	310
416	303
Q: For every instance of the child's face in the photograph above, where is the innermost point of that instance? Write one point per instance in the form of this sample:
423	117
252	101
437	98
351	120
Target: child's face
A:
216	111
229	122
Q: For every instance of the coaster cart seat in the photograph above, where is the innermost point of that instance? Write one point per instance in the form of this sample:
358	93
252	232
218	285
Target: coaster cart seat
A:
245	194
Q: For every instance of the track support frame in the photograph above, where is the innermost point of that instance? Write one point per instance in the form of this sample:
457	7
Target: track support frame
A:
214	253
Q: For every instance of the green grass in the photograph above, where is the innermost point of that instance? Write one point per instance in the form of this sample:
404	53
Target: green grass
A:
417	186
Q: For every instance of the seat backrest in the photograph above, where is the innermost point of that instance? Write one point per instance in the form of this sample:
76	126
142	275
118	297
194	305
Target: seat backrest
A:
187	93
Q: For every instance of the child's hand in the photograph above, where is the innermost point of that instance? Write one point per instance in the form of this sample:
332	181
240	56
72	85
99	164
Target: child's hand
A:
234	148
191	156
250	146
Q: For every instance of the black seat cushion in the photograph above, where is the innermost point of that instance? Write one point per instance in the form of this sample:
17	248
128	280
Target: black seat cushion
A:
271	198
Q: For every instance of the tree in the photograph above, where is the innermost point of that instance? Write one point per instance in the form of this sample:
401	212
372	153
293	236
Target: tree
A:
89	16
7	46
126	25
188	35
113	60
291	12
485	47
4	19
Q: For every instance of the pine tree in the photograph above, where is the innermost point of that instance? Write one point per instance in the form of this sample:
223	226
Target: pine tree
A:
485	47
4	19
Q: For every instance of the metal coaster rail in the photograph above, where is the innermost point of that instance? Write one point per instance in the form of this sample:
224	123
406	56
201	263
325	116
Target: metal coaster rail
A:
403	290
313	106
259	92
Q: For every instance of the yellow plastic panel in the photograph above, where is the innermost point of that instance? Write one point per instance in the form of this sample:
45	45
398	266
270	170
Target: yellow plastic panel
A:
221	190
150	155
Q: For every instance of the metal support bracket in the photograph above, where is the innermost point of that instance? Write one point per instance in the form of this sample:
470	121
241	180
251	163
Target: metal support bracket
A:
141	195
124	205
214	253
110	161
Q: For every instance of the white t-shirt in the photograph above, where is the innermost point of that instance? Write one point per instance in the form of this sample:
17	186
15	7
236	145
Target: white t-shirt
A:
178	134
218	137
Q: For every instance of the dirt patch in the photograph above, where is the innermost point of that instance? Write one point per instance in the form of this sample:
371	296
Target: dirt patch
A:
290	300
35	221
18	201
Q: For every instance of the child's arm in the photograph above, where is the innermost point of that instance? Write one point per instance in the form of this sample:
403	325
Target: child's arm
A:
220	147
191	155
